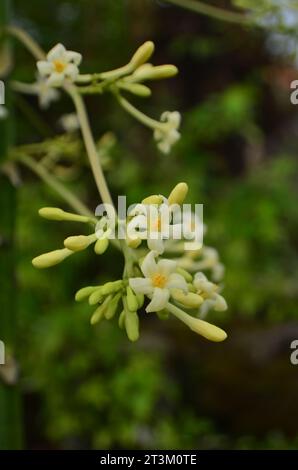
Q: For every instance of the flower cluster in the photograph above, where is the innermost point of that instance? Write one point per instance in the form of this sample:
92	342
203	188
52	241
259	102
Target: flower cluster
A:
168	287
60	68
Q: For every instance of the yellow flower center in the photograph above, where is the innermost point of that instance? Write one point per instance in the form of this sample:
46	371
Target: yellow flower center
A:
159	280
59	66
156	225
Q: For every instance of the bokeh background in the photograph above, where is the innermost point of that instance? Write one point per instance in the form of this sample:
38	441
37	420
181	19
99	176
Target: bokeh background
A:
84	387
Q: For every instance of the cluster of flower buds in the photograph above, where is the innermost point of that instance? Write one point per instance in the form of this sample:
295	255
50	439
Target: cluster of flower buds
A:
161	283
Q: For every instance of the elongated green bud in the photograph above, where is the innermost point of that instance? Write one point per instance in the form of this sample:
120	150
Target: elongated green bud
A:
121	320
111	287
112	307
132	301
140	299
154	199
79	242
178	194
203	328
83	293
154	73
135	88
101	246
100	311
51	259
55	213
131	321
96	296
189	300
142	54
187	276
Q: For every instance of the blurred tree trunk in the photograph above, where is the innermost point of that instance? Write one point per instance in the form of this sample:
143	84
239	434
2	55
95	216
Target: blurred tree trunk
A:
10	409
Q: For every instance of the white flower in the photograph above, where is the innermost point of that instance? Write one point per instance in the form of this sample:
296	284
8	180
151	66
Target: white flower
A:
3	112
59	66
159	279
153	223
70	122
169	136
209	291
46	94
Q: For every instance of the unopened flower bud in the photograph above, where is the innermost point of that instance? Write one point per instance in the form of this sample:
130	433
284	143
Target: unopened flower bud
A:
154	199
101	246
154	73
55	213
189	300
132	301
136	89
131	321
187	276
79	242
142	54
133	242
51	259
100	311
112	307
178	194
85	292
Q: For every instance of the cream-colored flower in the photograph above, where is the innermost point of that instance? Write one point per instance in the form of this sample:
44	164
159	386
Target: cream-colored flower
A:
155	224
169	136
3	112
60	65
209	291
70	122
46	94
159	278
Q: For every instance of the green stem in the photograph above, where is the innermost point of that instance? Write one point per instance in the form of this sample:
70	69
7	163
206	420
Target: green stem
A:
212	11
10	402
90	146
27	40
53	183
137	114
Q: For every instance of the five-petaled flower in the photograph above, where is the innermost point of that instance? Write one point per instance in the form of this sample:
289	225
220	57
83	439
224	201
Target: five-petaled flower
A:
60	65
209	291
169	135
159	278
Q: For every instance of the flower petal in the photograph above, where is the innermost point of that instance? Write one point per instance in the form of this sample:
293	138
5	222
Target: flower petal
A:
149	266
45	68
55	79
56	53
156	245
141	286
72	56
176	281
71	71
159	300
166	266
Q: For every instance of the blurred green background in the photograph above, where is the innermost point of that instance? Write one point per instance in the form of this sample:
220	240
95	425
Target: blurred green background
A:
86	387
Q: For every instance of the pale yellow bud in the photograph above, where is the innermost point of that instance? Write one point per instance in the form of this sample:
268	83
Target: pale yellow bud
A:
96	296
79	242
112	307
51	259
142	54
140	299
178	194
187	276
55	213
154	199
100	311
189	300
121	320
132	301
85	292
131	321
101	246
154	73
136	89
133	242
